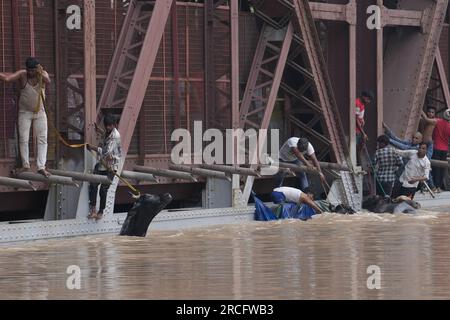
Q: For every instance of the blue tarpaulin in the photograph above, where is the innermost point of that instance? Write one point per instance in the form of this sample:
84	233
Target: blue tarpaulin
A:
284	210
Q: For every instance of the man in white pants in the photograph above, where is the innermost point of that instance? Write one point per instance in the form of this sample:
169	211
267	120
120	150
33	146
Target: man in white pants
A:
31	111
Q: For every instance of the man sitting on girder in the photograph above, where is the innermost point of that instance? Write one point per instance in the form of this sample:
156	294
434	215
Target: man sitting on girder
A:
297	150
109	153
32	82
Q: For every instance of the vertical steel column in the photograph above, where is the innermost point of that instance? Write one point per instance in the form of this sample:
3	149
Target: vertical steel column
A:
90	89
234	20
352	86
442	77
57	81
176	66
16	34
380	88
210	100
31	17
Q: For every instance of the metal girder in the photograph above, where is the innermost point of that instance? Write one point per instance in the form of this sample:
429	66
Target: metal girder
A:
143	71
261	78
404	92
90	83
216	115
395	17
307	81
265	108
323	88
442	79
334	12
165	220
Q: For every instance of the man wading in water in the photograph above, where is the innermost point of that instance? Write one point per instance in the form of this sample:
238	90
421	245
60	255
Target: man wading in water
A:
31	111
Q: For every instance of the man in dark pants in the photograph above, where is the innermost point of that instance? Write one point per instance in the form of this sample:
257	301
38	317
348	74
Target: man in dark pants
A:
416	170
299	151
109	153
387	162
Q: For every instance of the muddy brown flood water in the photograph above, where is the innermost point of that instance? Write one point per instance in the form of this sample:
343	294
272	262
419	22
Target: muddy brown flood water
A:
325	258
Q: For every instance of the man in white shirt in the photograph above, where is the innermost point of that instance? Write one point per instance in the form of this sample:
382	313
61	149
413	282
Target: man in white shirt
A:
298	196
299	151
416	170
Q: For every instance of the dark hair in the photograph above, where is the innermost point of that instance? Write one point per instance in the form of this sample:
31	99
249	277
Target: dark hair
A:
368	94
109	119
431	108
383	139
423	144
308	190
302	144
31	63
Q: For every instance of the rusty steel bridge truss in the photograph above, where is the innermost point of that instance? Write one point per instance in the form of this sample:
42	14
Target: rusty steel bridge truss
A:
289	64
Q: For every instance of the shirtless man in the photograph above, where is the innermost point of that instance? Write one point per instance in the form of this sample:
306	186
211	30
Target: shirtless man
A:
427	124
31	111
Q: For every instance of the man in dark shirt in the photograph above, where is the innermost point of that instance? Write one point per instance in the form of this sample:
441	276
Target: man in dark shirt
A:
386	162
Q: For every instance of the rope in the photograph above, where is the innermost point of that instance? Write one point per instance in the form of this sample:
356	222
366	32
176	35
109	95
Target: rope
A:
136	192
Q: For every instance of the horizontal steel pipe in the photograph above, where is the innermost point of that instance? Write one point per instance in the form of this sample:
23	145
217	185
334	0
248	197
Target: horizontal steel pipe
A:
276	170
53	179
231	169
165	173
200	172
334	166
79	176
298	168
16	183
323	165
140	176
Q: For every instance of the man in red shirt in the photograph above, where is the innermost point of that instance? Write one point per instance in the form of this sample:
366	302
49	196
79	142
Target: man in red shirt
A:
441	135
362	102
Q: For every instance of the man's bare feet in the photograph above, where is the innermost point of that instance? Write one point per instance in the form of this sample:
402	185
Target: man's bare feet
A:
21	170
99	215
44	172
92	213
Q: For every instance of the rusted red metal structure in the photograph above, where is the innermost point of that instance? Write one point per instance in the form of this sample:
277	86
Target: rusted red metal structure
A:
294	65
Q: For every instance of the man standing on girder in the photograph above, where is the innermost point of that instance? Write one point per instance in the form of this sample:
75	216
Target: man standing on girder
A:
109	154
297	150
31	111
